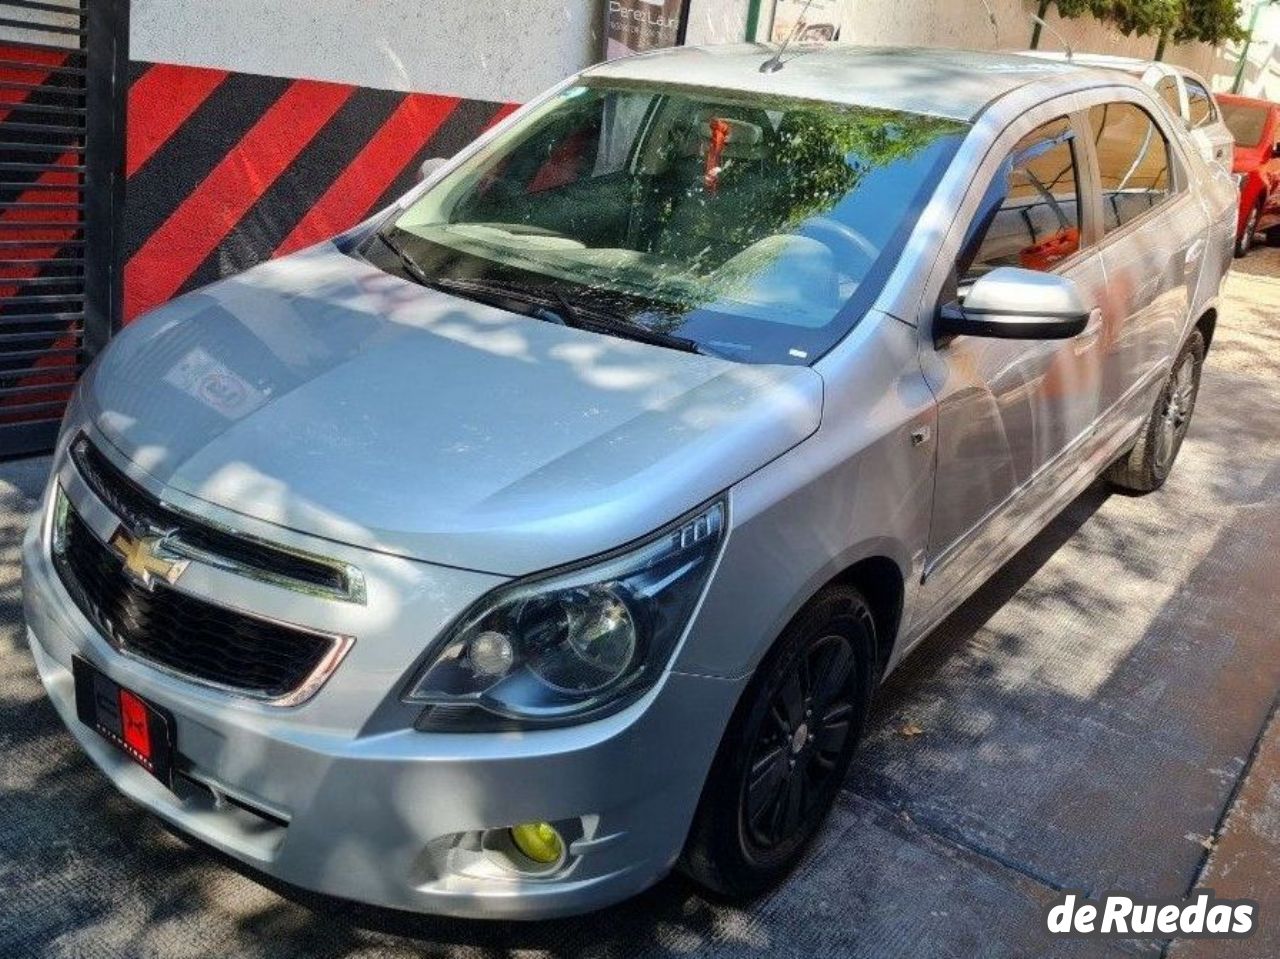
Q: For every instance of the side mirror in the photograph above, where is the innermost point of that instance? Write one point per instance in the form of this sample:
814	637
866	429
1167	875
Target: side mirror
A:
429	167
1015	304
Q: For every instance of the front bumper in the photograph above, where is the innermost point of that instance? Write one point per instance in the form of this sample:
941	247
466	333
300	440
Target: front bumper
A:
374	811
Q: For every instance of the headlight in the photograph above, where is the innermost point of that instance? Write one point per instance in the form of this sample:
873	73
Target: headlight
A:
571	645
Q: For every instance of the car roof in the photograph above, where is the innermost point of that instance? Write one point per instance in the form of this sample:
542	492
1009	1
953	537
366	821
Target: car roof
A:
955	84
1107	61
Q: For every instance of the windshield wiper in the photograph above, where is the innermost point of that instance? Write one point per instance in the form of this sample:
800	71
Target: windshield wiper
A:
406	261
552	306
604	321
511	299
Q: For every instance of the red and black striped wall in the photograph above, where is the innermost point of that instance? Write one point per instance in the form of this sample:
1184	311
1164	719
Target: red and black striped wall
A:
227	169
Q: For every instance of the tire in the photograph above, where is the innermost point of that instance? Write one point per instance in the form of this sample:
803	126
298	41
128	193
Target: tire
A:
1273	236
751	830
1244	242
1146	466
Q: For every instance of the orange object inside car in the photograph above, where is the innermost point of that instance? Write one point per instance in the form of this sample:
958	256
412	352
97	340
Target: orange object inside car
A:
1055	247
715	151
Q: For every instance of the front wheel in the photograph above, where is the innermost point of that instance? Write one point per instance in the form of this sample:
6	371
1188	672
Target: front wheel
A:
1146	466
787	748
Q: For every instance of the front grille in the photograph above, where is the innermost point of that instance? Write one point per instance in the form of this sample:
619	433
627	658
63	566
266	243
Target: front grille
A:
225	548
200	640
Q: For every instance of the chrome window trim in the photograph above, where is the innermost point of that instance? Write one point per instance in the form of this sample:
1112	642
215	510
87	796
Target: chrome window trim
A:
355	592
340	643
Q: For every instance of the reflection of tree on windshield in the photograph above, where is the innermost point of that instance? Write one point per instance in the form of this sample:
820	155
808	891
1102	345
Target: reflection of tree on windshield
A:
655	204
815	161
834	149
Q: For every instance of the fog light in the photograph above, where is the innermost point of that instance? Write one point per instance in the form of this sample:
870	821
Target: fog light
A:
539	841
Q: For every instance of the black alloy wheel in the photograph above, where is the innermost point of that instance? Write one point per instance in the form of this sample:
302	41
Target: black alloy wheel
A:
1148	463
786	751
798	747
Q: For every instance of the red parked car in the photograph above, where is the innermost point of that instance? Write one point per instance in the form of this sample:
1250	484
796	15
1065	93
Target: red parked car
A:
1255	126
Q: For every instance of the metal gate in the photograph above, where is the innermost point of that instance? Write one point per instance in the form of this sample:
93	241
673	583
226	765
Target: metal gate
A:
61	190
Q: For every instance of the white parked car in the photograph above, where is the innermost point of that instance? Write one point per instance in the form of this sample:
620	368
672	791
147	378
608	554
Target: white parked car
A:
1184	92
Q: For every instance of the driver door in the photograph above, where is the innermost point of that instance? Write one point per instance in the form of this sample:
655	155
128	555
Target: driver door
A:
1010	411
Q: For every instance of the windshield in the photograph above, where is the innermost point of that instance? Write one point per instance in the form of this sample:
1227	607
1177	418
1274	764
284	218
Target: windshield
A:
1245	121
756	229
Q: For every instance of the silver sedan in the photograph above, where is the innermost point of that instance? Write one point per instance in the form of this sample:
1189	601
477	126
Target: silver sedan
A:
555	527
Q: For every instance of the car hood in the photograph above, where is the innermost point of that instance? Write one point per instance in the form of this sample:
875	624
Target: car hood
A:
321	394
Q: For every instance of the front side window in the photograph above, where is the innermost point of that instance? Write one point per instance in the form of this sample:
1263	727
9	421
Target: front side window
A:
1133	162
1030	216
751	226
1200	105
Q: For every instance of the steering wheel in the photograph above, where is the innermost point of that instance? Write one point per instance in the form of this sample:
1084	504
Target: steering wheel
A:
854	253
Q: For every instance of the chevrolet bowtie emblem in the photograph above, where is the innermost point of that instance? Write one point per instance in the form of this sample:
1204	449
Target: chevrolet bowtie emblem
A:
142	557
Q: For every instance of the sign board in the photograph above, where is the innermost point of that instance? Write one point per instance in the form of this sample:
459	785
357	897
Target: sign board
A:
632	26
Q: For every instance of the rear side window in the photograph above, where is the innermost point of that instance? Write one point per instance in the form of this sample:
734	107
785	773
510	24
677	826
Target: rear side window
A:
1133	162
1030	217
1200	104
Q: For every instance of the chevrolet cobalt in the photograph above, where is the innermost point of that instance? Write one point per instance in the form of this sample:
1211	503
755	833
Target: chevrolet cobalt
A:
553	529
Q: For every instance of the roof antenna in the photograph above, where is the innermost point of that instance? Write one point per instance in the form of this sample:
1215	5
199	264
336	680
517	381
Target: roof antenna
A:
1057	36
774	63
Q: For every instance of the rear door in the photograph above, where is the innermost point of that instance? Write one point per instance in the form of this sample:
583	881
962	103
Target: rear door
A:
1152	248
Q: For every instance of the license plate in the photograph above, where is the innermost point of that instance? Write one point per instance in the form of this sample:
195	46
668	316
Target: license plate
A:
141	730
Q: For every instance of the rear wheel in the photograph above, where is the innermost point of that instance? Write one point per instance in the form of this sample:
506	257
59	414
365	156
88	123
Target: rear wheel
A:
1146	466
787	749
1244	242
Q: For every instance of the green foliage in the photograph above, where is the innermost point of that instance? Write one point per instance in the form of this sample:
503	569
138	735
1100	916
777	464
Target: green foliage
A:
1185	21
1141	17
827	150
1209	21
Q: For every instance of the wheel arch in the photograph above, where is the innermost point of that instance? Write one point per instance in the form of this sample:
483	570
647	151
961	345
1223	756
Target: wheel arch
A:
882	584
875	573
1206	324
